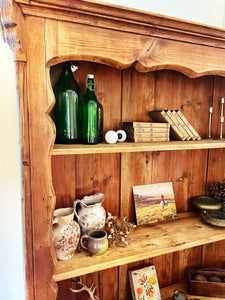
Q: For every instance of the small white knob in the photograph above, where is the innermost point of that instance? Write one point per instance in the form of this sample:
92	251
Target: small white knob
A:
121	135
111	137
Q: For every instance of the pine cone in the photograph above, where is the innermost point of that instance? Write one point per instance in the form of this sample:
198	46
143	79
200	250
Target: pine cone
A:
218	191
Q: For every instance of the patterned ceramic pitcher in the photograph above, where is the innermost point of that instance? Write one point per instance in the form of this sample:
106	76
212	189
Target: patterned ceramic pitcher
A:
90	214
65	233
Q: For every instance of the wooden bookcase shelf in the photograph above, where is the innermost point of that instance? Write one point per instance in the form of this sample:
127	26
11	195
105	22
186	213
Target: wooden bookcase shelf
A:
137	147
146	241
141	62
167	292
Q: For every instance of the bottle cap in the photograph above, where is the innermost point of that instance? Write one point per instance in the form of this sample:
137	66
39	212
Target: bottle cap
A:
91	76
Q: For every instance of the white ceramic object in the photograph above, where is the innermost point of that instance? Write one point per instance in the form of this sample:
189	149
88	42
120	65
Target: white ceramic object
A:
91	214
121	135
111	137
65	233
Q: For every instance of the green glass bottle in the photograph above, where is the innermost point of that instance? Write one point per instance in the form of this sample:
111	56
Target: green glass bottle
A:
67	107
100	122
90	113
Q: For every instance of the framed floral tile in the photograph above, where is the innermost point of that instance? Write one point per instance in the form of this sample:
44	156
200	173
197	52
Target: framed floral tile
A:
144	284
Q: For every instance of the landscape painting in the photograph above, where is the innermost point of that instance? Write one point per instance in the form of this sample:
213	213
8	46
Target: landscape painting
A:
154	203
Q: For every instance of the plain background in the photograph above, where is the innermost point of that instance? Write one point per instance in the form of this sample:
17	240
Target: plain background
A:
12	283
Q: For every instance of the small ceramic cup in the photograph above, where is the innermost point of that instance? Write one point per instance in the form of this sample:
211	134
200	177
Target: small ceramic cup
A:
97	242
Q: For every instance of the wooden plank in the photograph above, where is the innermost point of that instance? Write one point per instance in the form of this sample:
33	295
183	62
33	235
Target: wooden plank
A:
132	20
167	292
147	241
64	185
136	147
41	136
154	54
25	152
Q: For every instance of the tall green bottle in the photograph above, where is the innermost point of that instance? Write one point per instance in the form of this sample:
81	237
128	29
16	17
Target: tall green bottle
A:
90	113
67	107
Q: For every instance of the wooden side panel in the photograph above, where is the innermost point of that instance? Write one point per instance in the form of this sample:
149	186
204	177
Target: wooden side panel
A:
41	139
25	152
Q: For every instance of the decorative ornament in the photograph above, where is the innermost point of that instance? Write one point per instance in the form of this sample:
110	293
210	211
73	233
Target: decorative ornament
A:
111	136
218	191
121	135
118	231
90	290
178	295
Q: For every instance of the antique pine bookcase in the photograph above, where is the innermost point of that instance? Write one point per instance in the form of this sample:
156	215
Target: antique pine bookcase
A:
141	62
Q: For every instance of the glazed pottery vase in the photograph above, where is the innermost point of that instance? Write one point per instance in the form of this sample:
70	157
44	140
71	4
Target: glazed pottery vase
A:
97	242
90	213
65	233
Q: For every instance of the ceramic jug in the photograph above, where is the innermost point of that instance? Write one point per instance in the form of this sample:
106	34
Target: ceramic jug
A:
90	214
65	233
97	242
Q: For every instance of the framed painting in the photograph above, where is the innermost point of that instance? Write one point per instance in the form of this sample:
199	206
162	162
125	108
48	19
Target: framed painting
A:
144	284
154	203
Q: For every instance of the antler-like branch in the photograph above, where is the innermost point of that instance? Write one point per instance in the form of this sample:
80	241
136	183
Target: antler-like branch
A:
90	290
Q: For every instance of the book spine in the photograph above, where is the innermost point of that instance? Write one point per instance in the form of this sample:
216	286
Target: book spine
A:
145	140
178	125
197	136
175	131
147	130
143	124
148	134
189	132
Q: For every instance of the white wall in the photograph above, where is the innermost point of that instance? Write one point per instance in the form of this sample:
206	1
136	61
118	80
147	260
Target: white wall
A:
209	12
12	283
11	253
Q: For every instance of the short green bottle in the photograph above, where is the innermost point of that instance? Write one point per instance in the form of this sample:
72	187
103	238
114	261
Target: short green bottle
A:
67	107
90	113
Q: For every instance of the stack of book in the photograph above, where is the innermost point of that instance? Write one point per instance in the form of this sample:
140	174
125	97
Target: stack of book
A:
142	132
180	128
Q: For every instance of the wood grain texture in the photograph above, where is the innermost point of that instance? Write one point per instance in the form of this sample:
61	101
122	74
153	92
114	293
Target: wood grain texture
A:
136	147
41	140
26	179
103	39
89	12
167	292
146	242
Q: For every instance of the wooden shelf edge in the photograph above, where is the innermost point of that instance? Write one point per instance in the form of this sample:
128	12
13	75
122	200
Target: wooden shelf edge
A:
137	147
167	292
146	242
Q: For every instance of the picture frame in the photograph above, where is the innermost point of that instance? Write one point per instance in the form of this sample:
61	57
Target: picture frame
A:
154	203
144	283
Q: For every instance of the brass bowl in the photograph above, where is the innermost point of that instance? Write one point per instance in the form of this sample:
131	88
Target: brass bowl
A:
216	218
206	203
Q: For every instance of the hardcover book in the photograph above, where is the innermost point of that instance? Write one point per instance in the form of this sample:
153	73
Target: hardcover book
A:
197	136
181	129
162	116
178	125
143	124
183	124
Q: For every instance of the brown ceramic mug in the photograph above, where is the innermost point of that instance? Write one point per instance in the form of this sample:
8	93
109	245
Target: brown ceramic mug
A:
97	242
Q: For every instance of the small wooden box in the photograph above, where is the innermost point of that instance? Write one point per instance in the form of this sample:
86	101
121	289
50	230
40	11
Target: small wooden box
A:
206	288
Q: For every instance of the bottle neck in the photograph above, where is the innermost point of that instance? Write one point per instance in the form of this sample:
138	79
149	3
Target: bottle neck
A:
66	69
90	85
